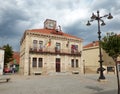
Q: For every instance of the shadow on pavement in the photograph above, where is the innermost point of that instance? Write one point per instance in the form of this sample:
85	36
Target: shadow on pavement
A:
101	90
95	88
108	92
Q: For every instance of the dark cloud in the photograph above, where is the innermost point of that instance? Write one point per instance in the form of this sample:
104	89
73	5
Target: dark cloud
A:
105	4
79	29
10	20
11	28
18	15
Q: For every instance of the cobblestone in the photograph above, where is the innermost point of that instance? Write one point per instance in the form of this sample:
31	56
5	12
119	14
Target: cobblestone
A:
59	84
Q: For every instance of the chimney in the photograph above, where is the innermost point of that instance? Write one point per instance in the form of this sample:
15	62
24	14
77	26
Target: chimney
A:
94	43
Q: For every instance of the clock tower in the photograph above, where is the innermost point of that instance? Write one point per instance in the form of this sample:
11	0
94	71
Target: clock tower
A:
50	24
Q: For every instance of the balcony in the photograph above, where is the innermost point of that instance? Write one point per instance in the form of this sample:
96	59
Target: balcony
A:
55	51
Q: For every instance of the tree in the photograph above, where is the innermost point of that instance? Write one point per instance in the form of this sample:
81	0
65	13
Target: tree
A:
111	45
8	54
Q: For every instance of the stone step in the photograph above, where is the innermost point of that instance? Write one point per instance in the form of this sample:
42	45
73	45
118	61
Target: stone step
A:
59	73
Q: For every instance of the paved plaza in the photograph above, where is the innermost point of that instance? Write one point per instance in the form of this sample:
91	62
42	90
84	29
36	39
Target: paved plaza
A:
59	84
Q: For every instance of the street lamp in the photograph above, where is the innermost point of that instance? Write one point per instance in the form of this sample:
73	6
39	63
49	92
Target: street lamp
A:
99	19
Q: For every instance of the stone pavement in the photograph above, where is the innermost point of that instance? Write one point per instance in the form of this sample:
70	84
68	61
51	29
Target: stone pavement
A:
59	84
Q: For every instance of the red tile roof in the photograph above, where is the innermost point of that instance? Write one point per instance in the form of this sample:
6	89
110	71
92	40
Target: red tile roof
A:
53	32
93	44
16	58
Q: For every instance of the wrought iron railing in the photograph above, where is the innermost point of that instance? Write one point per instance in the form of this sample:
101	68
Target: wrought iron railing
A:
55	51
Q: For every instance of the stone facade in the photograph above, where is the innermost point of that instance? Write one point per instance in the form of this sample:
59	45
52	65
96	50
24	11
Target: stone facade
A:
49	50
91	58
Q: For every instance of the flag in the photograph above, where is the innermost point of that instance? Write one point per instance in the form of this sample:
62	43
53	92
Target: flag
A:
48	43
74	48
67	44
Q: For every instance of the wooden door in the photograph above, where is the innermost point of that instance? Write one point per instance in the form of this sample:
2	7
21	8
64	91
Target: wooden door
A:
58	65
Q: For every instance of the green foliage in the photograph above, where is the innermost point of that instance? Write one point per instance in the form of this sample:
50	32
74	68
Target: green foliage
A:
111	44
8	53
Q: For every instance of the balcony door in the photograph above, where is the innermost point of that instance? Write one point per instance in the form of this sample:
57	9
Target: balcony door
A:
58	47
58	66
40	45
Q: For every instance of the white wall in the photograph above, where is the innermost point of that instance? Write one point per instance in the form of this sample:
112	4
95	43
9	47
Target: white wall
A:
1	61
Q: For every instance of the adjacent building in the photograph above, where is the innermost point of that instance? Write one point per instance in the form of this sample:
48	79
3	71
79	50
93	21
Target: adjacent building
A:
118	61
91	58
1	61
15	62
50	50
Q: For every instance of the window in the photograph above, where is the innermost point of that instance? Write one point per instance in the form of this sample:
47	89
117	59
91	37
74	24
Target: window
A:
40	45
110	69
57	48
34	62
74	48
35	44
40	62
77	65
119	67
72	63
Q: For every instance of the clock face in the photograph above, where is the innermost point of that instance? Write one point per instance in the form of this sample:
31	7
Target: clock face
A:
50	24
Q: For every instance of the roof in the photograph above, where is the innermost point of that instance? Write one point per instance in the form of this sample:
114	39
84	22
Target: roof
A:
1	49
53	32
93	44
16	58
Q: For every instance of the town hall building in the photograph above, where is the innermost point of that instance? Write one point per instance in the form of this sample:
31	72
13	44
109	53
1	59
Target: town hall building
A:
50	50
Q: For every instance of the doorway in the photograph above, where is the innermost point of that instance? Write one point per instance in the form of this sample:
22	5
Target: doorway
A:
57	64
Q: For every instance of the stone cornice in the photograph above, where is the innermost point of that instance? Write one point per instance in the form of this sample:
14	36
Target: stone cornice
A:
60	37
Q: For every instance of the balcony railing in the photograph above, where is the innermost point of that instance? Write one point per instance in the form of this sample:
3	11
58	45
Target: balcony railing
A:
55	51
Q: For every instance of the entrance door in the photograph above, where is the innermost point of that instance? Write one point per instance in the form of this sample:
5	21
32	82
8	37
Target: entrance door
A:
57	64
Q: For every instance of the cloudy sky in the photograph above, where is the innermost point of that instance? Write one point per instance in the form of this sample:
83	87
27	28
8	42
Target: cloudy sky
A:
16	16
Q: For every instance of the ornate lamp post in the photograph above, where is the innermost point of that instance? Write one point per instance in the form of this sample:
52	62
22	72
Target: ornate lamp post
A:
98	18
